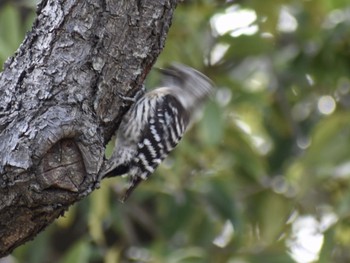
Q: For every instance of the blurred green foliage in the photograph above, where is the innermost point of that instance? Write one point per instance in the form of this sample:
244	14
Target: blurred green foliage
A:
264	176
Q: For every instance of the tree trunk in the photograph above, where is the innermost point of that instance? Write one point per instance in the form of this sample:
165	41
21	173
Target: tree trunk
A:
61	99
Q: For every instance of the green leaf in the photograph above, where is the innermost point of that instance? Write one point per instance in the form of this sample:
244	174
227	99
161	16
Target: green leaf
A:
10	30
79	253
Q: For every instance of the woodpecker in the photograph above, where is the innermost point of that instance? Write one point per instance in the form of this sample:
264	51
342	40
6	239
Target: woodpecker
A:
155	123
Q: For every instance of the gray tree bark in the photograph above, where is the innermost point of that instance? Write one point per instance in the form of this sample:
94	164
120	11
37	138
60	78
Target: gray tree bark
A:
60	103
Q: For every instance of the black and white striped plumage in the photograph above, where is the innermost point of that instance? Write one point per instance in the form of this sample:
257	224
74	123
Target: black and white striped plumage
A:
155	123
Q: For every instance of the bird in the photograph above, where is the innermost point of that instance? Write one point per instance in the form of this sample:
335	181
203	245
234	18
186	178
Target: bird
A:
155	123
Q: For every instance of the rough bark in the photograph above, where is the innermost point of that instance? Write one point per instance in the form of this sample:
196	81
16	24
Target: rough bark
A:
60	103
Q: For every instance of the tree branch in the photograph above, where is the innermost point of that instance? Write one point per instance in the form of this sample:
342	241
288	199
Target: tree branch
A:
60	103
